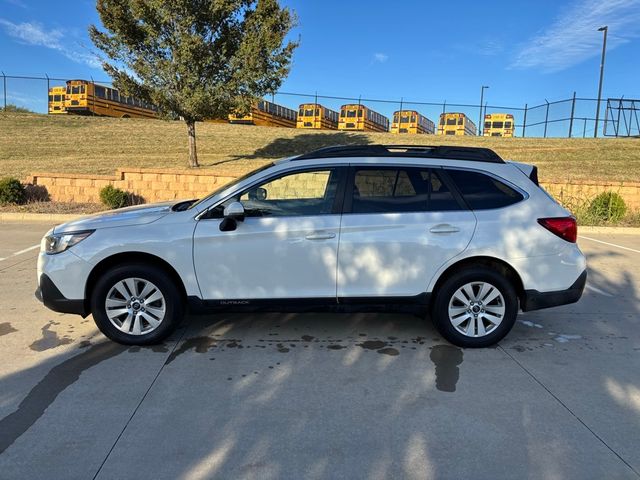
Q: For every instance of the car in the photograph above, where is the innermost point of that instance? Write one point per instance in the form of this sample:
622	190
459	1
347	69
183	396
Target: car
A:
454	233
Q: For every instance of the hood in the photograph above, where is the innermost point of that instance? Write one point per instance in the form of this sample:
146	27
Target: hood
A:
136	215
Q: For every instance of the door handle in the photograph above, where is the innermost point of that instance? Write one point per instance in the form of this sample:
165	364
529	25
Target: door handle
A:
444	228
320	236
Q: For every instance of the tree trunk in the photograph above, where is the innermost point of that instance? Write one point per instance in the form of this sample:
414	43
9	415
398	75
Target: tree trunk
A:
193	154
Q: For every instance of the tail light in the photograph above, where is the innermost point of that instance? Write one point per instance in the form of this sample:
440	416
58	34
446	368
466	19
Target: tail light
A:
564	227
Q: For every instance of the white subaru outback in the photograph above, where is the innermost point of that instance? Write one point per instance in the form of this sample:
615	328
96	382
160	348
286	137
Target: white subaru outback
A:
456	232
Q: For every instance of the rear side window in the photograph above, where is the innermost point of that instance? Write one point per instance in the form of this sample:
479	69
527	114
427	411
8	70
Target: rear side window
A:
482	192
392	190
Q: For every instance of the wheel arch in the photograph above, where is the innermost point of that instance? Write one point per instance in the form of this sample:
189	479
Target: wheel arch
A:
123	258
486	261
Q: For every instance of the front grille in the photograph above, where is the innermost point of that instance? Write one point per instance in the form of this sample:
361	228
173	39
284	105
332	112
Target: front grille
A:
308	124
351	125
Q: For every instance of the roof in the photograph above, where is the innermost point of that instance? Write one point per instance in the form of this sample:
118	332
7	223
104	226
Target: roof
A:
449	152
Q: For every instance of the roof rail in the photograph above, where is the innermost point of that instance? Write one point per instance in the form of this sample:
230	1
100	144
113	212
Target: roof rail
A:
449	152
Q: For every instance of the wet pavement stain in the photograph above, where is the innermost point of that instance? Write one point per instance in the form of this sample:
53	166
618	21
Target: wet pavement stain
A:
307	338
389	351
49	339
199	344
335	347
45	392
373	344
446	359
282	349
6	329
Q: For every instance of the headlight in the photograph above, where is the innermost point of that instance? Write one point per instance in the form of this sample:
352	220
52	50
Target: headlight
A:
59	242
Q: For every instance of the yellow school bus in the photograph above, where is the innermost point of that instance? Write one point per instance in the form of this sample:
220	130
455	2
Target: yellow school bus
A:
453	123
56	100
88	98
266	114
354	116
498	125
314	115
410	121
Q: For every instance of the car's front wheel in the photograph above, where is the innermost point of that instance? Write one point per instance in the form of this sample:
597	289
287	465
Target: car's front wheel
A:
136	304
475	307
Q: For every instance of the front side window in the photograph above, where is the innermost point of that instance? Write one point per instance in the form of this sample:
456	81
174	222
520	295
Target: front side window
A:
482	192
507	124
292	194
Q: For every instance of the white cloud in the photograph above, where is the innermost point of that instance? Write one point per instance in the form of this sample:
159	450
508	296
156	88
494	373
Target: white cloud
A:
380	57
573	36
33	33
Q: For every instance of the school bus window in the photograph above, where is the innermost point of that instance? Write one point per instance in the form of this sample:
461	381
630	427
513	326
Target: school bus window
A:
75	90
81	88
451	121
359	112
507	124
487	124
51	98
498	124
461	121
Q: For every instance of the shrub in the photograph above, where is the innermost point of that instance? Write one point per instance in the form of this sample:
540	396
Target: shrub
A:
11	191
608	207
113	197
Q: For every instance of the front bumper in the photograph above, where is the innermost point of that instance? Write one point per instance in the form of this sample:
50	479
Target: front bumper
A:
535	300
52	298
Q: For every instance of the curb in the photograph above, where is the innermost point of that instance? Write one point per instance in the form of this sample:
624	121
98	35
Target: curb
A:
39	217
611	230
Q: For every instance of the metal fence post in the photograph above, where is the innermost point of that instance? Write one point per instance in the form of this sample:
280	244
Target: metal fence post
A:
524	122
546	119
584	128
4	87
573	109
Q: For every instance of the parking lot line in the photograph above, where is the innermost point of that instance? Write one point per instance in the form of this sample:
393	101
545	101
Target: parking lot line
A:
597	290
20	252
610	244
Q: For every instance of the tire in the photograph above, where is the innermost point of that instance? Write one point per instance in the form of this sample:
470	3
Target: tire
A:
468	298
145	318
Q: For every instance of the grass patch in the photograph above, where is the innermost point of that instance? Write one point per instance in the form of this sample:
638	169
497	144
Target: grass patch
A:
32	142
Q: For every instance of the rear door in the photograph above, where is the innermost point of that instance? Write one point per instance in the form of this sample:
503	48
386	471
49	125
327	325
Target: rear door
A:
400	224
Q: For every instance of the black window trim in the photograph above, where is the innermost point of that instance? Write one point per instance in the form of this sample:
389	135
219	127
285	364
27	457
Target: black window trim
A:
454	188
348	192
338	202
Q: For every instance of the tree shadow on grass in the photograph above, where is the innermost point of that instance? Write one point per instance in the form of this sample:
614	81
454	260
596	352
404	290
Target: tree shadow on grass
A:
286	147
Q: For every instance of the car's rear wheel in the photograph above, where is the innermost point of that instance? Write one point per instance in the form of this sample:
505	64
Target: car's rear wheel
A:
475	307
136	304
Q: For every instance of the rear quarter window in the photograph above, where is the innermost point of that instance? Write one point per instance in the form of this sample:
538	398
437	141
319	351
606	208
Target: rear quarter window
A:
483	192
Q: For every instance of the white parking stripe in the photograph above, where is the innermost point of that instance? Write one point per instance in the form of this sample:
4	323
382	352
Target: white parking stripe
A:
597	290
610	244
20	252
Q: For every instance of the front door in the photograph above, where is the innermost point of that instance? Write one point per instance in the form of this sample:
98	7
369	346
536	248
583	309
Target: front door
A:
286	247
400	225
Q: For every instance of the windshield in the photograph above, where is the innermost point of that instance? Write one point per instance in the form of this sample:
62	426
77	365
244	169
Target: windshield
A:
231	184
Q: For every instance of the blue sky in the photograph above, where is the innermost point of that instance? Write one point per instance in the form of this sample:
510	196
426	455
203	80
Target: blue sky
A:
424	51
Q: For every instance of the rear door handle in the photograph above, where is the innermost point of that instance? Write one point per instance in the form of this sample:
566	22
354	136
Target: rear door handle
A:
444	228
320	236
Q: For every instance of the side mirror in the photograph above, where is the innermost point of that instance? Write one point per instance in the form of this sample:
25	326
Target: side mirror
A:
233	213
234	210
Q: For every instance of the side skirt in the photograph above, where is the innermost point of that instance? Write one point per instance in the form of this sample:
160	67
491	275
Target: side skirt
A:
414	304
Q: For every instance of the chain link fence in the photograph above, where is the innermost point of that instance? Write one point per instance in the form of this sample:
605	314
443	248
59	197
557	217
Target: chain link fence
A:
572	117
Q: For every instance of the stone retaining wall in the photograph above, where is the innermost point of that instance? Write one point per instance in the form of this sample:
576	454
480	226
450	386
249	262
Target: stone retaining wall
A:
152	185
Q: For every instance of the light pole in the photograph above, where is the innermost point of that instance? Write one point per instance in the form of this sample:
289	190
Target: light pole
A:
480	124
604	29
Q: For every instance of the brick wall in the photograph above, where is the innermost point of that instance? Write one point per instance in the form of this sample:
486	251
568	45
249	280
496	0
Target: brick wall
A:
578	192
150	185
153	185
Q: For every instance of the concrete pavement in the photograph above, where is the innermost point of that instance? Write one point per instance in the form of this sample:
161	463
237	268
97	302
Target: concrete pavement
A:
323	395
